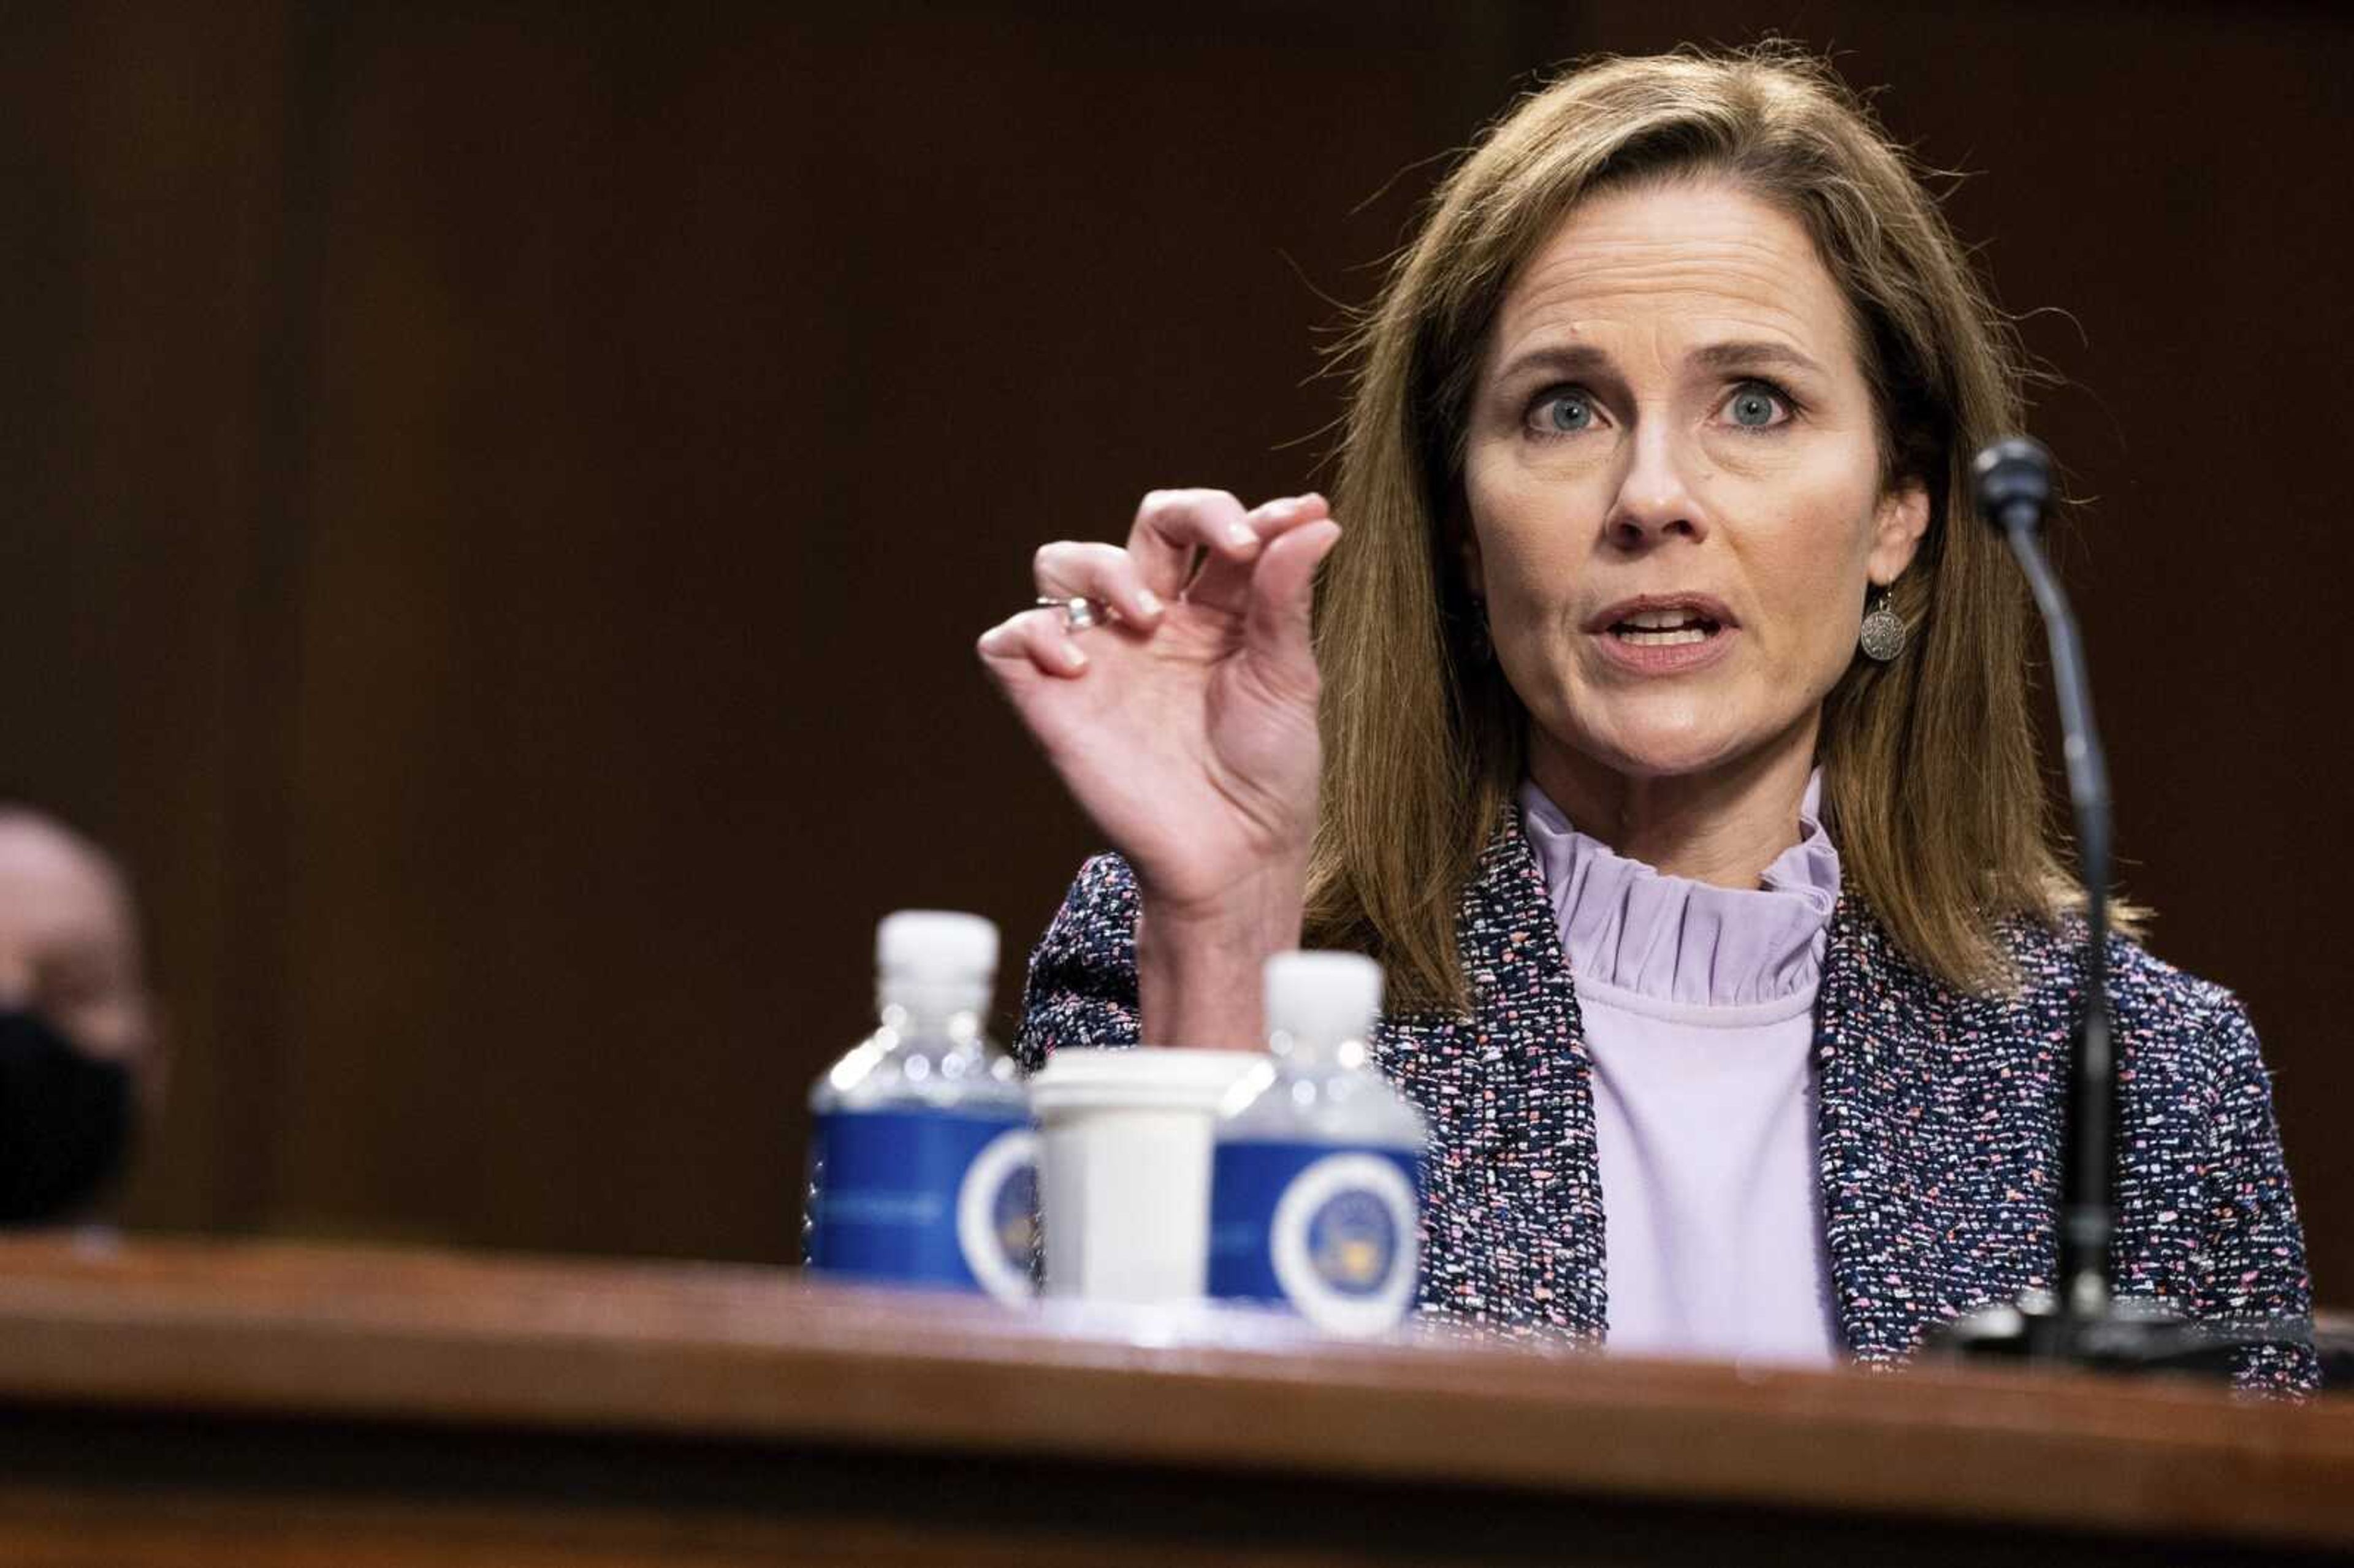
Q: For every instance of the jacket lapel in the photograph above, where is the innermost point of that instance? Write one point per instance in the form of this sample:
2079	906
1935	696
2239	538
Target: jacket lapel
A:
1514	1237
1938	1141
1877	1150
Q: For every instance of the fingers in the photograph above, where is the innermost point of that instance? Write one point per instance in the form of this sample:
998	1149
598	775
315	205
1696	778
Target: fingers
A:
1173	526
1276	621
1224	581
1103	572
1034	641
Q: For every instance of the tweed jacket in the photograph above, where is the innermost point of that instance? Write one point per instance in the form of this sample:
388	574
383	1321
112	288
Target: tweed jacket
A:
1939	1124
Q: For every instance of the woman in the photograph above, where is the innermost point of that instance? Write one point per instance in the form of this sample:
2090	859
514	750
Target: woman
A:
1664	731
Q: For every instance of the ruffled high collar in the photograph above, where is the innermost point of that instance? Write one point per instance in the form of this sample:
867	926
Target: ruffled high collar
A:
1671	939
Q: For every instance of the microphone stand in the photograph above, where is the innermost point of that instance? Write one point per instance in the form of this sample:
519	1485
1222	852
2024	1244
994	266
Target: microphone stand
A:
2081	1325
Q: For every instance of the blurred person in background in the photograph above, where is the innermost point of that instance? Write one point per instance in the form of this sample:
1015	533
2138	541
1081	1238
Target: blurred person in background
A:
81	1046
1664	728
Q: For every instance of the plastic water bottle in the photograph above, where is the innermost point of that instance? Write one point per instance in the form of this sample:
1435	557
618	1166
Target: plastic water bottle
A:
1315	1189
923	1166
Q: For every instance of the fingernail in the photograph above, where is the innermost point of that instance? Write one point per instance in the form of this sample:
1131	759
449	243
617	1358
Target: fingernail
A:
1148	601
1241	536
1073	659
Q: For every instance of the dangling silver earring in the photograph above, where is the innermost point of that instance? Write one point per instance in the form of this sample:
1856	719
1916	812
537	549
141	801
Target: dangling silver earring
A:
1884	629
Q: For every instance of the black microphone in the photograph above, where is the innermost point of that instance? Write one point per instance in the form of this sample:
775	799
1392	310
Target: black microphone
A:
2014	488
2014	483
2080	1325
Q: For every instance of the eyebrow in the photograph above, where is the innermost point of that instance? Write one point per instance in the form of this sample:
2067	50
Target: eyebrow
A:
1742	355
1585	359
1561	359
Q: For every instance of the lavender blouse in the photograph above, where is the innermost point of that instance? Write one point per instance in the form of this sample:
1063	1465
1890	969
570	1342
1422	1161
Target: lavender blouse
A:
1699	1008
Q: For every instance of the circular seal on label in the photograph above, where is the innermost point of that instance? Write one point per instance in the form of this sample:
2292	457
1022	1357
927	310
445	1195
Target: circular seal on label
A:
996	1216
1343	1243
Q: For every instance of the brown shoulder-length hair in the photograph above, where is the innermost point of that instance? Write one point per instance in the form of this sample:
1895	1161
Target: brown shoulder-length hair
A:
1932	786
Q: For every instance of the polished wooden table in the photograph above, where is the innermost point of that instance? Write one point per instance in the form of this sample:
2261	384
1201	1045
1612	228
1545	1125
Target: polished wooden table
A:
261	1404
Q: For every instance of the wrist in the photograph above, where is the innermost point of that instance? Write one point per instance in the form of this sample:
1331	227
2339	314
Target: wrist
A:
1200	965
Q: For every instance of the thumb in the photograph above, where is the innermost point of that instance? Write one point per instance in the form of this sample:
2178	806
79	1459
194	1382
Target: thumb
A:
1282	591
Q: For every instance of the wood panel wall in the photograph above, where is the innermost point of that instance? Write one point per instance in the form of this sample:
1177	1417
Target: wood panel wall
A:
499	499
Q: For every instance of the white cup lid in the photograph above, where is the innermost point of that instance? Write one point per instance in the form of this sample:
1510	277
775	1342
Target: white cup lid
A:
1145	1077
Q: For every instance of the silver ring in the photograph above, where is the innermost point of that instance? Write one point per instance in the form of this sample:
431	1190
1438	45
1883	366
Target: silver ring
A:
1079	612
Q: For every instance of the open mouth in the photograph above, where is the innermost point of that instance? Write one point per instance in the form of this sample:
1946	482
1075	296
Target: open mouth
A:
1664	628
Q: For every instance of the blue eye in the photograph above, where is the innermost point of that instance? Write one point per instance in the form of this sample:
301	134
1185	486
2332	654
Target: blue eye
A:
1755	406
1564	412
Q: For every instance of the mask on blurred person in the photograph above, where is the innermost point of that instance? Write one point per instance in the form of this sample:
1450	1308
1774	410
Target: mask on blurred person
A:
65	1120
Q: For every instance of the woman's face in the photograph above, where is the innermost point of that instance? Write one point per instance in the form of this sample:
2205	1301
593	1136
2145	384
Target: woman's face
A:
1673	478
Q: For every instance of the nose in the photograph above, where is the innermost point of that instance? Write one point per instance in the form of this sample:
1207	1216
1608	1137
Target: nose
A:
1656	500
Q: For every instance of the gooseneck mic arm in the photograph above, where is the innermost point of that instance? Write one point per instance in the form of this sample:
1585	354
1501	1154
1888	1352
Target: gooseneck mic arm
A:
2078	1324
2014	489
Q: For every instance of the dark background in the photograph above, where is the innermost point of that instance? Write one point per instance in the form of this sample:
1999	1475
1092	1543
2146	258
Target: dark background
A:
499	499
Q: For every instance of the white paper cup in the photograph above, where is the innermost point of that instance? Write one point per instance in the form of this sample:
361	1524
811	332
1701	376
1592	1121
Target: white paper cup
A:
1124	1144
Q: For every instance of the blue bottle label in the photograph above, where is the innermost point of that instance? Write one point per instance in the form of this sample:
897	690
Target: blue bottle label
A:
925	1198
1331	1233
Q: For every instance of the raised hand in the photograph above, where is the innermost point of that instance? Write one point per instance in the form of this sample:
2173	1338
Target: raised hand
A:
1186	726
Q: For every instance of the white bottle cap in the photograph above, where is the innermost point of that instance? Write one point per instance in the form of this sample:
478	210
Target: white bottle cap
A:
936	945
1322	998
935	962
